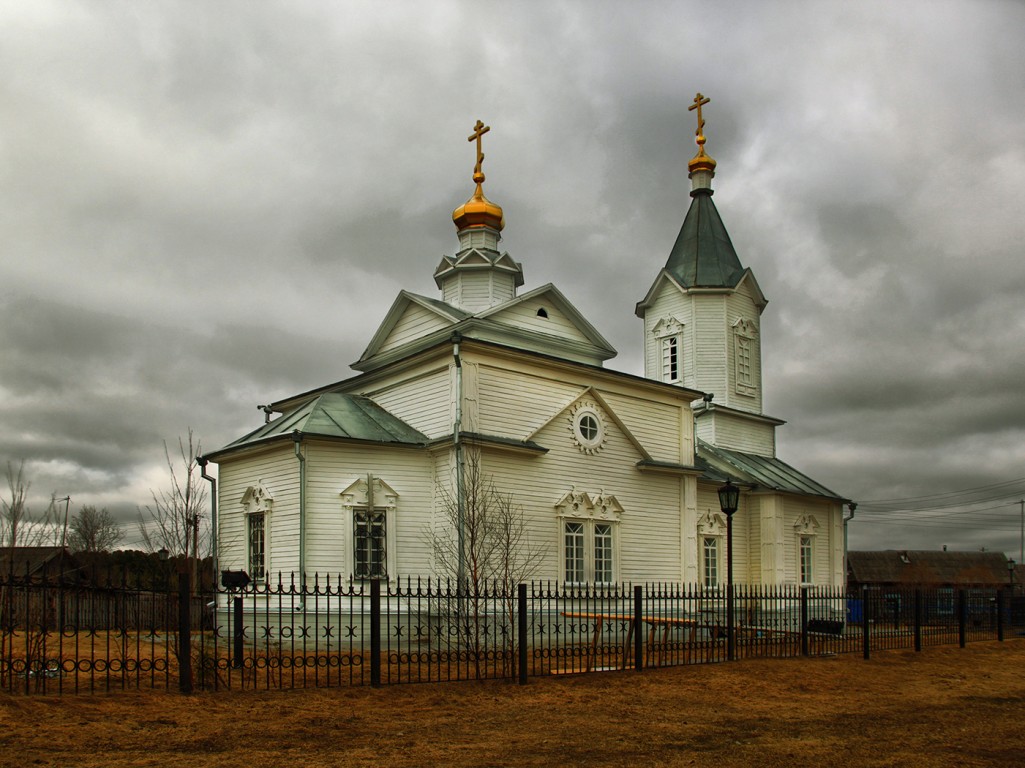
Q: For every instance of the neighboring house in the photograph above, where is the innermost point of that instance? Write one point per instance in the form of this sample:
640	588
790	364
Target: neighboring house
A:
37	563
931	569
616	474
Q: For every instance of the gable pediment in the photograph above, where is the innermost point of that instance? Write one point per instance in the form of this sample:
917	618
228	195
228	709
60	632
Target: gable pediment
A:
590	402
410	317
547	312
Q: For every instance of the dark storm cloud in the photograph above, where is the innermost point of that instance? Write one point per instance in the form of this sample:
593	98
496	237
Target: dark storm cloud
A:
207	207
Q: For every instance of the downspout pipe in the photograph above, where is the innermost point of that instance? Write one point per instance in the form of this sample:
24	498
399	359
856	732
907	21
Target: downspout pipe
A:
850	506
203	461
297	437
457	444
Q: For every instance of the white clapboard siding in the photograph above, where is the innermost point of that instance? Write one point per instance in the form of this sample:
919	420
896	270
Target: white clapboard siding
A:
709	346
525	315
736	433
477	289
277	470
795	508
744	520
663	429
648	539
514	403
423	401
416	321
741	305
333	467
670	303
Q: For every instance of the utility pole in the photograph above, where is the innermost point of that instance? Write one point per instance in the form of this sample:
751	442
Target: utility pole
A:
1021	554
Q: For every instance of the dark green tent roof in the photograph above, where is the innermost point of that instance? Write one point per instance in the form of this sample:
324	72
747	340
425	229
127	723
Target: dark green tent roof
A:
703	256
338	415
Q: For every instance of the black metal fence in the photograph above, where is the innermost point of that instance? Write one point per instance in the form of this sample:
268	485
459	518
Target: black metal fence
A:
62	636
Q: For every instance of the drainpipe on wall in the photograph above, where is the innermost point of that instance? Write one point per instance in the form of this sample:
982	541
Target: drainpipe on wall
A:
203	461
458	446
297	436
851	506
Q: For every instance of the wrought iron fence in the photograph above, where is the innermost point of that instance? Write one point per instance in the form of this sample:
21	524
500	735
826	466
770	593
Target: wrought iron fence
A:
103	634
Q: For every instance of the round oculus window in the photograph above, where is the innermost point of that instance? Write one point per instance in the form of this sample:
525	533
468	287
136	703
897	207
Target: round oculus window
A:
588	428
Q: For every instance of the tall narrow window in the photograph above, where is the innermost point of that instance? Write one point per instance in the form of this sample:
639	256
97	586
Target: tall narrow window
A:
574	552
710	559
603	553
806	560
671	358
370	539
255	523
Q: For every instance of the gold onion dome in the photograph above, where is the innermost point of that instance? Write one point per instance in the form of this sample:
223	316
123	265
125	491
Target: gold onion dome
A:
478	211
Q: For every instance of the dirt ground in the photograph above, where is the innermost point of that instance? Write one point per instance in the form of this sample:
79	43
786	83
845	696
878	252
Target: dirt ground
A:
942	707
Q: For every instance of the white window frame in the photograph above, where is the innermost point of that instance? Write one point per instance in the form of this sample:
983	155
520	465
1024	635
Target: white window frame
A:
806	529
712	525
595	522
257	503
713	564
745	335
669	336
366	494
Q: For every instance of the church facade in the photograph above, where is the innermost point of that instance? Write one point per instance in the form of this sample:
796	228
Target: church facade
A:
614	476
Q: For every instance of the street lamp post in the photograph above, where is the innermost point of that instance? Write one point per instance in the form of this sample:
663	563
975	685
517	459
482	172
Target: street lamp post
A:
729	498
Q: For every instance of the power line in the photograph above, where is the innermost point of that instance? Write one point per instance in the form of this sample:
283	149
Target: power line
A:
944	495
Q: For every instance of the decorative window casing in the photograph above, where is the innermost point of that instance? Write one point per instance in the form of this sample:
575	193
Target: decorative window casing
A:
669	337
589	535
369	506
806	529
711	532
587	425
256	502
745	335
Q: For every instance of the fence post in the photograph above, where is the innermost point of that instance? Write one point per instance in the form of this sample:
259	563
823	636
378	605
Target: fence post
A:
236	654
962	618
1000	615
804	622
521	618
375	633
638	631
184	630
918	619
866	632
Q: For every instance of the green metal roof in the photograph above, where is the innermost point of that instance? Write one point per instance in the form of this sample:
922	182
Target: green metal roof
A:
703	256
762	471
337	415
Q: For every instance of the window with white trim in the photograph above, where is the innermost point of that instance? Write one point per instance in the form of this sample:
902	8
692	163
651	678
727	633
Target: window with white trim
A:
669	333
746	379
588	534
257	555
256	502
807	559
710	561
370	505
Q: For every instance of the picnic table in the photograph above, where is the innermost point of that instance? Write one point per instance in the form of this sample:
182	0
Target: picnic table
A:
656	646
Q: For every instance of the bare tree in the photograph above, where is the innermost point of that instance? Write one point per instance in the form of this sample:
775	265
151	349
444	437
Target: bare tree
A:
92	530
496	553
13	509
175	519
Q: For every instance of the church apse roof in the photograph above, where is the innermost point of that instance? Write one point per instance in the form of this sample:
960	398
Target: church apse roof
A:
335	415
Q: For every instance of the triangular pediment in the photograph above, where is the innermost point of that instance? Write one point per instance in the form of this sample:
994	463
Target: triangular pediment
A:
666	281
411	317
589	400
547	311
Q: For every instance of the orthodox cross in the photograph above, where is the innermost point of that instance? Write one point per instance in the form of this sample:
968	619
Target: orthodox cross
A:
699	101
478	130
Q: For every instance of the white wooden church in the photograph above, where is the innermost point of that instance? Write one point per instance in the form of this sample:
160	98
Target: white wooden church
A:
616	474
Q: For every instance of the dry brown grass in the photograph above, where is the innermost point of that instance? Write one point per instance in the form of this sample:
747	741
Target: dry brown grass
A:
943	707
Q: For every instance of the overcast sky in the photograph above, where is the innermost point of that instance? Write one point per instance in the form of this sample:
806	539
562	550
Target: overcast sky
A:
208	206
